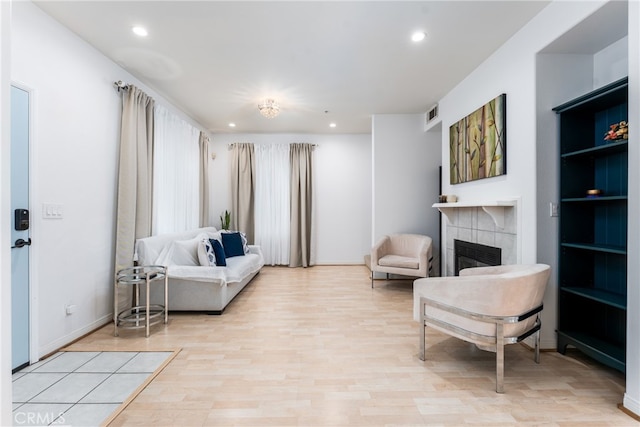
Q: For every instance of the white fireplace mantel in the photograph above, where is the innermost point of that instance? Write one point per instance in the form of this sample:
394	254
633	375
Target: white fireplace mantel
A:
494	208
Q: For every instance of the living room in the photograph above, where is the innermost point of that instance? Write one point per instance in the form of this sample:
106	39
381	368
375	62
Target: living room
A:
76	129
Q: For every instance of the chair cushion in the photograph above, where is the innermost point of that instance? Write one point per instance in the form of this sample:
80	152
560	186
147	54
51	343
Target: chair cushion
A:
399	261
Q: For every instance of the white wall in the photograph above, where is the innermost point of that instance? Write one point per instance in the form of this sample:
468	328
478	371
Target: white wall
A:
75	139
559	78
342	180
512	70
405	177
611	63
5	218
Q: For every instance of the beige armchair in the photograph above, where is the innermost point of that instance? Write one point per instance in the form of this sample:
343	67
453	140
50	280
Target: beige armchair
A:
486	306
404	254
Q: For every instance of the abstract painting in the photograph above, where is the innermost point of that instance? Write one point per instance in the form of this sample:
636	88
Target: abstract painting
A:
478	142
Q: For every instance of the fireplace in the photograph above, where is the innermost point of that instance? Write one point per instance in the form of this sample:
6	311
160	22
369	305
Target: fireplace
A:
467	254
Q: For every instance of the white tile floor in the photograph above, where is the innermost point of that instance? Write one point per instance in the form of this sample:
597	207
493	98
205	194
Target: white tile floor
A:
79	388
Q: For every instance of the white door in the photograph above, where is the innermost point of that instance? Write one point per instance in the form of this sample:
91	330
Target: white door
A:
20	228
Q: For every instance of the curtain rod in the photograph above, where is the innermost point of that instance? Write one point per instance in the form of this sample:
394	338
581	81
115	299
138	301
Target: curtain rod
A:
120	85
231	144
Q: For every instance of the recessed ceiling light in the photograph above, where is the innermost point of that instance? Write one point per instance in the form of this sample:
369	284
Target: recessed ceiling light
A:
232	125
332	125
418	36
140	31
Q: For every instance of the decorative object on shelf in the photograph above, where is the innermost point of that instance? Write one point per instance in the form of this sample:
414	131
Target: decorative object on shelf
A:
269	108
444	198
594	192
617	131
225	220
478	142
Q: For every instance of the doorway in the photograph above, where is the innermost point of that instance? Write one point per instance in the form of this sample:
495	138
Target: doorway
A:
20	229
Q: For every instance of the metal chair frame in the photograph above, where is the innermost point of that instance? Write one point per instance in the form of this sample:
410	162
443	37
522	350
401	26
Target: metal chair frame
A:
499	340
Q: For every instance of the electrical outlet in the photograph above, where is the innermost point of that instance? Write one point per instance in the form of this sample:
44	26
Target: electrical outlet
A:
553	209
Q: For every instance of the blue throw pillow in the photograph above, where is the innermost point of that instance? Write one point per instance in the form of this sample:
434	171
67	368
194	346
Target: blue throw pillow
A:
232	243
218	250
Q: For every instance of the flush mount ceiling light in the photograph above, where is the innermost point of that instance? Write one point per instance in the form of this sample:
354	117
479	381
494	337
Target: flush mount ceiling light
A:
269	108
418	36
140	31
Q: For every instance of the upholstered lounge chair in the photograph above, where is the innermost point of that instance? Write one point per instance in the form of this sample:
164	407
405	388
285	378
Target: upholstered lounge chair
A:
404	254
487	306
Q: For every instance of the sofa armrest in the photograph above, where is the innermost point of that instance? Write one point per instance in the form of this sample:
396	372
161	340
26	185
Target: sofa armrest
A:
515	290
255	249
379	250
426	256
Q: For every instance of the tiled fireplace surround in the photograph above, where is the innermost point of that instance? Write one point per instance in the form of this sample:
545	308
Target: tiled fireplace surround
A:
473	224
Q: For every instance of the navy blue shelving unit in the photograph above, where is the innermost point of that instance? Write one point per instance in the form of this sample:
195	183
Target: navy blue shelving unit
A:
592	276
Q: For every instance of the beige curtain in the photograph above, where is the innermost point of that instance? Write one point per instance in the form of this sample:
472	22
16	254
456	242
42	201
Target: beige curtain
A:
204	179
135	174
242	189
301	164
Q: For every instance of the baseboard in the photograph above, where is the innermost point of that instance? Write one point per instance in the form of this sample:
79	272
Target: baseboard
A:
630	407
65	340
550	345
530	344
338	263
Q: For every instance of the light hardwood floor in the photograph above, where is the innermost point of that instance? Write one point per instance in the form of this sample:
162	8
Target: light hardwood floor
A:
319	347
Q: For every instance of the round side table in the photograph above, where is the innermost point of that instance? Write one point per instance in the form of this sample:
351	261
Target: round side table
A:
141	315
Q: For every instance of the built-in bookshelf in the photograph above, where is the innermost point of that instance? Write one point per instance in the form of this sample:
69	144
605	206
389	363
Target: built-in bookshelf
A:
592	300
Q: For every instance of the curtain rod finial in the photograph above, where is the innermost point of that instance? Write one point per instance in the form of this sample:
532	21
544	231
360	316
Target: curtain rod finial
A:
120	85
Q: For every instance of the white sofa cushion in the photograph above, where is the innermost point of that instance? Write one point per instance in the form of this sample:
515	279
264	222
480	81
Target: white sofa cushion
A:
149	250
236	269
184	252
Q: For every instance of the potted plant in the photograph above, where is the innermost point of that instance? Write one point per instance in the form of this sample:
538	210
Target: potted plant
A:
225	220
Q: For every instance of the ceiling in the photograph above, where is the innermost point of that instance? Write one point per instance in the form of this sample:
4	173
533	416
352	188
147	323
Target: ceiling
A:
324	62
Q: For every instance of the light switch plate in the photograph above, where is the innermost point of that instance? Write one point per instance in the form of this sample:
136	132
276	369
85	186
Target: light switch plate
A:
52	211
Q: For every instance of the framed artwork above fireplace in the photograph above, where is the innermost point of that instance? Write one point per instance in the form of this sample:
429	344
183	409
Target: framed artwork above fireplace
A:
478	143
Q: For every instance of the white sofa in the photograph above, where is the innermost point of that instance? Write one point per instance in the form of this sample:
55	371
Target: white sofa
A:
192	286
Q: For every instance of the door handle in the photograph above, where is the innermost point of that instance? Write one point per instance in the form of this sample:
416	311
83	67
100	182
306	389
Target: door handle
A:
21	243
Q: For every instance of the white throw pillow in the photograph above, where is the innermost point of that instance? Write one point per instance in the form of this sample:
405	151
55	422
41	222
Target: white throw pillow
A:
185	252
206	256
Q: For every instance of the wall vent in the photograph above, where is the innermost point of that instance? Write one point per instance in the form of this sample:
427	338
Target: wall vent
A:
432	114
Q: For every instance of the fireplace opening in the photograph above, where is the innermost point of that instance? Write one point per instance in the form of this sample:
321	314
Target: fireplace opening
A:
467	255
